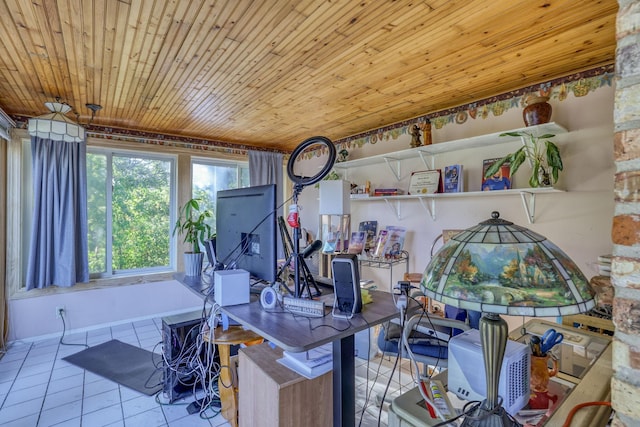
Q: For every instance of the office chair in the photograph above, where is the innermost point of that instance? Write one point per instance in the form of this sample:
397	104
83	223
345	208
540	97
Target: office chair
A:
427	339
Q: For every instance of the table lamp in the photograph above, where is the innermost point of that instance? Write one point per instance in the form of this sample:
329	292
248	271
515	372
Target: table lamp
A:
497	267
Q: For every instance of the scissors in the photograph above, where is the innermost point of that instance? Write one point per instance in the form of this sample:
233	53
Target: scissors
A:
549	339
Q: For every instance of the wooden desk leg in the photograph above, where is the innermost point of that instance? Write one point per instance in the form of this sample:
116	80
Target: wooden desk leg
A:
228	398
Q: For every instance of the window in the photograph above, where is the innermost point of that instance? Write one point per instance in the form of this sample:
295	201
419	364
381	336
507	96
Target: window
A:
131	207
211	176
129	212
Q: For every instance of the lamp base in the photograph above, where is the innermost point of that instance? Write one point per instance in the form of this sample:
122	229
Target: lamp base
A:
483	417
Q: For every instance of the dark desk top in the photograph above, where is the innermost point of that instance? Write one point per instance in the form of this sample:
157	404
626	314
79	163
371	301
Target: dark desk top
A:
200	287
300	333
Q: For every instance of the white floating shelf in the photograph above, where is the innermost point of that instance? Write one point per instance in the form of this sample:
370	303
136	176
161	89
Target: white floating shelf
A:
428	200
455	145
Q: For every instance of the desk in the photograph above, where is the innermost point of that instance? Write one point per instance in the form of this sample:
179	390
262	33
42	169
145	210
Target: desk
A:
293	333
202	288
591	384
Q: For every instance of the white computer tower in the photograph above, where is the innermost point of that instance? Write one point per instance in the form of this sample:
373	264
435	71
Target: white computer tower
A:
466	375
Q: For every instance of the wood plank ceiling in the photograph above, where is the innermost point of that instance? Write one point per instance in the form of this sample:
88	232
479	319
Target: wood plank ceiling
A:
272	73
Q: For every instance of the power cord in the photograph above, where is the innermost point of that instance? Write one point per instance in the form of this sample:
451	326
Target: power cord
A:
64	329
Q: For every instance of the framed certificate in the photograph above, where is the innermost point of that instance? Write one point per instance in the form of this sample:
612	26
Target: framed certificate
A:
425	182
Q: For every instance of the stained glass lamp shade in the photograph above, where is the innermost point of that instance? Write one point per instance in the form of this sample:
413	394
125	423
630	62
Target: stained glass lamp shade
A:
55	125
497	267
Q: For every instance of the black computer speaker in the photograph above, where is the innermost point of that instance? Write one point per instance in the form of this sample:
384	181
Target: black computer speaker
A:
346	285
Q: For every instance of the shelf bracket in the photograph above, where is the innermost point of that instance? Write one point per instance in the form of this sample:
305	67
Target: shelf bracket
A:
429	205
428	160
395	171
395	209
529	203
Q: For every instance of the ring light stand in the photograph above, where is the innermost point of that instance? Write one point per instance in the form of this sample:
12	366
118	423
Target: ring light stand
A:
299	182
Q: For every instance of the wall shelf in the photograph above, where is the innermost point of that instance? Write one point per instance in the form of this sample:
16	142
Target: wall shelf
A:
428	201
392	159
427	154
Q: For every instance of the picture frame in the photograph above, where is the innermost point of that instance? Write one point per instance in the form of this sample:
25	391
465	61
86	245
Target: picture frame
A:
501	180
425	182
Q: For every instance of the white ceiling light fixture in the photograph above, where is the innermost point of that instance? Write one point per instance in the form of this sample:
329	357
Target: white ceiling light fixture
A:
58	127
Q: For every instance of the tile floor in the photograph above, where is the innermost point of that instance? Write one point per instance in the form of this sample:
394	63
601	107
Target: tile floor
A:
38	388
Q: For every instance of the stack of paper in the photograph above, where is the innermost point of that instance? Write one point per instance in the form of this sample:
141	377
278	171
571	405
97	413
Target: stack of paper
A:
311	363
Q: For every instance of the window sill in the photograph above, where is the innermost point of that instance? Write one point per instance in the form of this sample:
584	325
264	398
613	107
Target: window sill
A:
95	284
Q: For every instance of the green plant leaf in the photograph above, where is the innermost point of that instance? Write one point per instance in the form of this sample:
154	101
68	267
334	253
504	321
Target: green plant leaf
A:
516	134
191	224
553	156
517	159
491	170
546	136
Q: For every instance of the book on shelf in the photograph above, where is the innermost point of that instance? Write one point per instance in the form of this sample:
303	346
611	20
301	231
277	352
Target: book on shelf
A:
453	179
370	229
381	240
310	363
501	180
387	192
356	244
395	241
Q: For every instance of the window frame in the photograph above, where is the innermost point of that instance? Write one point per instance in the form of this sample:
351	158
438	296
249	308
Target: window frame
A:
111	153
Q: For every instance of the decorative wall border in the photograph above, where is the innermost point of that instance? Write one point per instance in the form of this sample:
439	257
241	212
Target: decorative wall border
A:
151	138
580	84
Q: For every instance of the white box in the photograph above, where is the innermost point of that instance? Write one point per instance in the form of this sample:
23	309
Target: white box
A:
466	375
335	197
231	287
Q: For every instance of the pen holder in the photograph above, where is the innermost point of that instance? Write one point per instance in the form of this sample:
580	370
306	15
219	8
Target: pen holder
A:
541	373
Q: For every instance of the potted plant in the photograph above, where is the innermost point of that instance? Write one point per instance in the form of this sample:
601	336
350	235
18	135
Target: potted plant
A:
191	224
542	154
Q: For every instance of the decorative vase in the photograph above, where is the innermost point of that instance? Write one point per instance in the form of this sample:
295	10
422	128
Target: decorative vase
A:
193	264
541	373
537	110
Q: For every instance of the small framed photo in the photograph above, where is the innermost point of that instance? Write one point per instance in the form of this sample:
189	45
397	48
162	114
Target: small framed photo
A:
425	182
501	180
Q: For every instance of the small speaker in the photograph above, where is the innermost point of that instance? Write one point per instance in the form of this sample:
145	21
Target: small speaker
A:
346	285
268	298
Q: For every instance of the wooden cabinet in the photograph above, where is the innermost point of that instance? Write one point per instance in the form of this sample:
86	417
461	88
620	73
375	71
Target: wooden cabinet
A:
271	394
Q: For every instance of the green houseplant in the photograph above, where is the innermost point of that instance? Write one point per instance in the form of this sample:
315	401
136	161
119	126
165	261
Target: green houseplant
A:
542	154
191	224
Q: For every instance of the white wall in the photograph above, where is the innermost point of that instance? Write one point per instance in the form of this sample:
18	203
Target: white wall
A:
578	221
35	317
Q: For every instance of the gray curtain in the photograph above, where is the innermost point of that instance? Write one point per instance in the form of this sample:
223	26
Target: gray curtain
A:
266	168
58	252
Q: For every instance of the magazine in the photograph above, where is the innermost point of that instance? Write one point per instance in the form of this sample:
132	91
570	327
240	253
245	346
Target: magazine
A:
356	244
501	180
453	179
395	241
380	242
370	229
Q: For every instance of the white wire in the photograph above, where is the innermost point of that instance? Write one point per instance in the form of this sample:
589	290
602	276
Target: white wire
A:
420	378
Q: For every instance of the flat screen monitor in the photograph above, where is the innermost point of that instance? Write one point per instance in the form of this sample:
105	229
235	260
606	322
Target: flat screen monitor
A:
246	230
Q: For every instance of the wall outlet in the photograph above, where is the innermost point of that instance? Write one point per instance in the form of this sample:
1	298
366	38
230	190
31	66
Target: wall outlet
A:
59	312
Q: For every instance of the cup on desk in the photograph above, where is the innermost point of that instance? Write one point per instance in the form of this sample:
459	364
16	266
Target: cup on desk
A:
541	373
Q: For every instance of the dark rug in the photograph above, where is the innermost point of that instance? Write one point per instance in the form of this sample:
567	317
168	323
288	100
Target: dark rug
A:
130	366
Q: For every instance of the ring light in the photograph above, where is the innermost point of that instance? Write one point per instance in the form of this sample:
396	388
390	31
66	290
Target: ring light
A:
299	182
302	181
